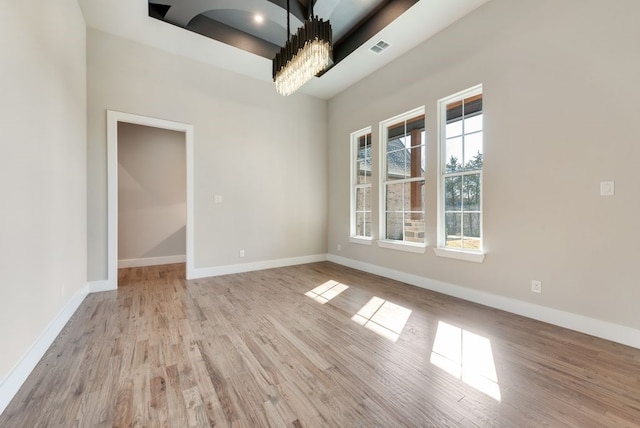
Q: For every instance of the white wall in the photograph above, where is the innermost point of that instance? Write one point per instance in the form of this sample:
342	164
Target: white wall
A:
42	168
152	192
264	154
561	103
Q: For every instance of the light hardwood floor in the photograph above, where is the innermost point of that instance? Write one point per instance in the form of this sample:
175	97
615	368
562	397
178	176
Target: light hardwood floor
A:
256	349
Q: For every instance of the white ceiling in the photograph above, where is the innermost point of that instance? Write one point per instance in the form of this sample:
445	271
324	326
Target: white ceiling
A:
130	19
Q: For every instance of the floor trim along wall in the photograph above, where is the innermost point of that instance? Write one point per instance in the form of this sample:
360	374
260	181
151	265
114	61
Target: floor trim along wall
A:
603	329
12	382
151	261
251	266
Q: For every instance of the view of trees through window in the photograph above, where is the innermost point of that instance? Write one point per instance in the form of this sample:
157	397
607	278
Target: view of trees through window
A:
462	173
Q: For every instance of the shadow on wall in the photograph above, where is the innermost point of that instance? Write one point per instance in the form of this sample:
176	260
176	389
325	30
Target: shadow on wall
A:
164	248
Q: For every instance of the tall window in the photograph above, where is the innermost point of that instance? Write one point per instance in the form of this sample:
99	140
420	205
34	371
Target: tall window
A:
461	122
361	184
402	178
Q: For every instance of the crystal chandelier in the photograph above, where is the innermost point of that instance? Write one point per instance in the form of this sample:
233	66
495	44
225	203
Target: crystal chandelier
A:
305	54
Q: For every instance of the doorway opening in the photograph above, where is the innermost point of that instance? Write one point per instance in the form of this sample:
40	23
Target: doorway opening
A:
113	119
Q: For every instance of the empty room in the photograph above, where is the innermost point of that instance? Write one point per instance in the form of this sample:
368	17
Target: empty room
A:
329	213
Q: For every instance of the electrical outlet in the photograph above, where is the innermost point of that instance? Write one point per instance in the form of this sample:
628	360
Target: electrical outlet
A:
339	247
241	253
536	286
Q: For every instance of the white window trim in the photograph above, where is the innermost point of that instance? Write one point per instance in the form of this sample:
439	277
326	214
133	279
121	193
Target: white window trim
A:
362	240
441	251
412	247
353	141
468	256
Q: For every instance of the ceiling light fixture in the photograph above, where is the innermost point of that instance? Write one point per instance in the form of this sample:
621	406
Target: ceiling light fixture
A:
258	19
305	54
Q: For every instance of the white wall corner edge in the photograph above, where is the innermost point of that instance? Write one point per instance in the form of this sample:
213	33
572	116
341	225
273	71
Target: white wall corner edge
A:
198	273
580	323
13	381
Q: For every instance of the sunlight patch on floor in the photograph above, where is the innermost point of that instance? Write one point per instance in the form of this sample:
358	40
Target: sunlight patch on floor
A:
327	291
468	357
383	317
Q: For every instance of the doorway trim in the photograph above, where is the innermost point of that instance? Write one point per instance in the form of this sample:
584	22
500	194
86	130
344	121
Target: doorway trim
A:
113	118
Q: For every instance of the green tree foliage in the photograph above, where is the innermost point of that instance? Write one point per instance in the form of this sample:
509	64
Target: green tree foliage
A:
462	194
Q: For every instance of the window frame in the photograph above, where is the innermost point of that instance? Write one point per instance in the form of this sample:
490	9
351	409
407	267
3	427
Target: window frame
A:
441	250
383	241
354	148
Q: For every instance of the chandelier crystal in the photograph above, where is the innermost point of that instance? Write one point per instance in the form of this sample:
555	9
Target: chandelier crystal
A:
305	54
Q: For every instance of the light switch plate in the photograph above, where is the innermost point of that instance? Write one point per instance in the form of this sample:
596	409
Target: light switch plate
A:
607	188
217	199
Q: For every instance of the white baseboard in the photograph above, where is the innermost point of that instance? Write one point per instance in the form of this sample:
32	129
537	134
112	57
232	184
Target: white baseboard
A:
248	267
103	285
151	261
12	382
594	327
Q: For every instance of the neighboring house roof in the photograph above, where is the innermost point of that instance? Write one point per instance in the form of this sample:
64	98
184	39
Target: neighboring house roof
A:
395	159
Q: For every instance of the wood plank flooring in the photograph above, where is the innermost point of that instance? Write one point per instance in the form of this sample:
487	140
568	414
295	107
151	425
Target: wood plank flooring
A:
260	349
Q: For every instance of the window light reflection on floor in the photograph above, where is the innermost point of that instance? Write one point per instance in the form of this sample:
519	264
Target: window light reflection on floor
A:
383	317
468	357
327	291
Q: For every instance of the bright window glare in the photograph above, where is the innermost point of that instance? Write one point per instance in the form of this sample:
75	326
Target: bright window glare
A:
467	356
327	291
383	318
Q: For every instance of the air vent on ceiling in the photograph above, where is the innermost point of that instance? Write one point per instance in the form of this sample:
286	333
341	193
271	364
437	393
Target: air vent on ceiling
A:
379	47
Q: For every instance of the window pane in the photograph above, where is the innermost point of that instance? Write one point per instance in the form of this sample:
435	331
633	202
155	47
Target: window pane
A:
472	124
394	226
413	196
415	138
453	129
395	197
363	224
416	161
397	165
367	198
473	151
395	131
367	224
453	235
416	123
364	159
453	154
363	199
473	105
471	222
364	171
471	192
414	227
453	193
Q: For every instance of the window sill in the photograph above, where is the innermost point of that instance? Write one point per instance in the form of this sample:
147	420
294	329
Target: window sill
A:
360	240
467	256
403	246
